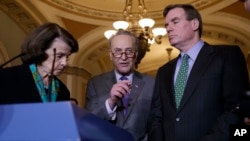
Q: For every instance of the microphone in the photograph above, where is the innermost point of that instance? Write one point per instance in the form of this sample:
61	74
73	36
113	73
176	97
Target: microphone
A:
51	75
19	55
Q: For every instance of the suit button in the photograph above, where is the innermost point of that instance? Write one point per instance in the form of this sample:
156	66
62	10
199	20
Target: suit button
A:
177	119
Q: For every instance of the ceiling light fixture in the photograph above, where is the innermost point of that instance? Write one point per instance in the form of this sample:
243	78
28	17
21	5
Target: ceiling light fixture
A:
140	25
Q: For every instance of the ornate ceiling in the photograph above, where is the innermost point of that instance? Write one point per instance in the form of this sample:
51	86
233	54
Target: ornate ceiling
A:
225	22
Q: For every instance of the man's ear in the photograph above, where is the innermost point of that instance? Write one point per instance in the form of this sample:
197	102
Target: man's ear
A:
110	55
136	54
195	24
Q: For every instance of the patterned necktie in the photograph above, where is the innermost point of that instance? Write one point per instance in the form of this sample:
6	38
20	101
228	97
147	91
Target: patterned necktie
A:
181	80
125	99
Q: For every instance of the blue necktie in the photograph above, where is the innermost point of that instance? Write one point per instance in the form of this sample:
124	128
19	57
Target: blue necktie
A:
125	99
181	80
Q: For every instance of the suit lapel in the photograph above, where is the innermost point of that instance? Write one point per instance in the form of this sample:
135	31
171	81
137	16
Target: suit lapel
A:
26	77
110	81
202	61
169	81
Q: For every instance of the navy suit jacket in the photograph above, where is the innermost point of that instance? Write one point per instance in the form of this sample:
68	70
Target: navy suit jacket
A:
18	86
135	121
218	77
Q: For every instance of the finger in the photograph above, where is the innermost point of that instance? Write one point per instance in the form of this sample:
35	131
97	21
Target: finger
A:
122	87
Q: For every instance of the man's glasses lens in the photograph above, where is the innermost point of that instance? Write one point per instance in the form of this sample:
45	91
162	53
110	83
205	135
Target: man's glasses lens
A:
128	53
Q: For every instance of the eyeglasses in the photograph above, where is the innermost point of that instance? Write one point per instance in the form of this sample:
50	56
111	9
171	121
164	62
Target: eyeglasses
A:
128	53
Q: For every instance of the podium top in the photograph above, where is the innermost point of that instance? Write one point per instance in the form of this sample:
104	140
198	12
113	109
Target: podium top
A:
56	121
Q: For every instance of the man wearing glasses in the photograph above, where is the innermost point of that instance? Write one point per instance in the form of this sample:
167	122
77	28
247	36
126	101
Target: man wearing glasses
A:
122	96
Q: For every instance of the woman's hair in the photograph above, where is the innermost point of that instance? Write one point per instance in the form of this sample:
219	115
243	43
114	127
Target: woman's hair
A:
191	13
39	40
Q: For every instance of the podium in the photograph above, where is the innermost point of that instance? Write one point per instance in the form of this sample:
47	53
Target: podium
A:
58	121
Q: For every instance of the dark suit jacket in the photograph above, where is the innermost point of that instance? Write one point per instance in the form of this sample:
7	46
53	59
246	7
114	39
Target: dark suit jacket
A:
18	86
98	90
215	82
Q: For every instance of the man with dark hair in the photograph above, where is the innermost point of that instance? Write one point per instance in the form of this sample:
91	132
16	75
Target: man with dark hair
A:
195	93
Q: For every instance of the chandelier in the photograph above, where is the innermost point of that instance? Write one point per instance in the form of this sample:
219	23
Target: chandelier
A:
138	23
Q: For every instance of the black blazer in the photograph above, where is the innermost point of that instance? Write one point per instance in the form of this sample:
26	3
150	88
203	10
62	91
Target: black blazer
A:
214	85
18	86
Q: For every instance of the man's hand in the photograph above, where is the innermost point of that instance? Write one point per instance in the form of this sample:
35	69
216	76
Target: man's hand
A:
247	120
118	91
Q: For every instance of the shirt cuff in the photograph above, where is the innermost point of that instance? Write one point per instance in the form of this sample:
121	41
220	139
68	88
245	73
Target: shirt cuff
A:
111	113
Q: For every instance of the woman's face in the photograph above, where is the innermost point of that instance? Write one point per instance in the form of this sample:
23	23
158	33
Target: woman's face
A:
58	51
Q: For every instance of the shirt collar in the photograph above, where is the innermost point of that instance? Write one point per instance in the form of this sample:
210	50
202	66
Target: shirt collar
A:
194	51
118	76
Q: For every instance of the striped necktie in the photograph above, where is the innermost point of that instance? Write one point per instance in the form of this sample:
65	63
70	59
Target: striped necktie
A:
181	80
